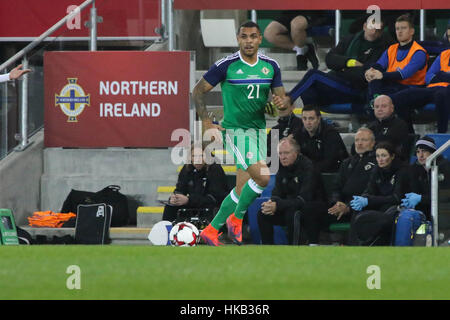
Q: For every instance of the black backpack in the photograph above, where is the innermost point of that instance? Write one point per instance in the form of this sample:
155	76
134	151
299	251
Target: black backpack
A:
93	223
109	195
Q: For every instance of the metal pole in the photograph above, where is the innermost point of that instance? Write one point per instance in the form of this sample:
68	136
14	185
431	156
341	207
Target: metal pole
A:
93	31
24	110
422	24
170	25
4	120
337	26
434	201
163	19
254	16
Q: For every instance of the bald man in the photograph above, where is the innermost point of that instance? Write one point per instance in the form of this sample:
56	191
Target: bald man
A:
388	127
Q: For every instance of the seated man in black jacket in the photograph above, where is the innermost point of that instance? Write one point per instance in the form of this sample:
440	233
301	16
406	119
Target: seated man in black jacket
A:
320	141
389	127
199	185
353	176
420	178
348	61
298	189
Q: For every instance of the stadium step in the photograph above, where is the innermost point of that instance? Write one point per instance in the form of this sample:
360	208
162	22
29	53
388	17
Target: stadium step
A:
119	236
147	216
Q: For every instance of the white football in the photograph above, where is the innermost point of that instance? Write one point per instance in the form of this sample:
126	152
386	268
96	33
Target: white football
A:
184	234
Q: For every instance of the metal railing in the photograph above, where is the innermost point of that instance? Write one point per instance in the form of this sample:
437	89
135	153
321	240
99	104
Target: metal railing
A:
7	142
431	164
22	54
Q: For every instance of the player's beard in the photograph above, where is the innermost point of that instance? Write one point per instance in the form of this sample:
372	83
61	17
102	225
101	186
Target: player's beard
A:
249	52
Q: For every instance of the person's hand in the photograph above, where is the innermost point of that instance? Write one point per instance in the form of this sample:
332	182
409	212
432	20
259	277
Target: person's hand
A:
338	210
377	75
178	199
16	73
269	207
373	74
411	200
212	130
358	203
368	74
282	103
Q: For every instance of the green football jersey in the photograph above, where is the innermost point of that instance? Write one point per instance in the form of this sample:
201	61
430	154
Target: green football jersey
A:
245	89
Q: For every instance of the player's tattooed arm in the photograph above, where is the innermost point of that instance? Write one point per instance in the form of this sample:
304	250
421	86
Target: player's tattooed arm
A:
279	91
198	94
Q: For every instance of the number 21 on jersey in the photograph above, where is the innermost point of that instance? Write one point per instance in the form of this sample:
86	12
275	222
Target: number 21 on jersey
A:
252	92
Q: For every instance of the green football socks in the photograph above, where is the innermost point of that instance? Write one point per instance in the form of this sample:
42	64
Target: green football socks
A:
226	209
249	193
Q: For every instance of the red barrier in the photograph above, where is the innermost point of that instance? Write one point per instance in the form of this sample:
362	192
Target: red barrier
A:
309	5
115	99
30	18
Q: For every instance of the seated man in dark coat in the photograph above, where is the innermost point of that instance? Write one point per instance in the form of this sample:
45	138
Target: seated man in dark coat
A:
199	185
353	175
320	141
388	127
298	190
348	62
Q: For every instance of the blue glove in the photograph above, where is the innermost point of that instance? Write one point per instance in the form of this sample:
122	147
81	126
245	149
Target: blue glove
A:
358	203
411	200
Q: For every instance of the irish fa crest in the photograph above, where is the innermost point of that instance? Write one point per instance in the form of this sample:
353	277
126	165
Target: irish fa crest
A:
72	100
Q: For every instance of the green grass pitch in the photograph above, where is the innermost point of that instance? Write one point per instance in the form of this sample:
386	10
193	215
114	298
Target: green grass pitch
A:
229	272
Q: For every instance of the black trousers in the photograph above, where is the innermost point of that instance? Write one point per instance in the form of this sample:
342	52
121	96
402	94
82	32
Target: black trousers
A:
373	228
170	212
303	224
407	100
315	218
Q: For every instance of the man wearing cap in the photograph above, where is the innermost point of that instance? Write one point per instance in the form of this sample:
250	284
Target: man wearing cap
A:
419	199
420	180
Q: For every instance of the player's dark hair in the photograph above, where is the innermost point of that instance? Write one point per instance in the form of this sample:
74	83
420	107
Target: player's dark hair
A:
312	107
249	24
406	18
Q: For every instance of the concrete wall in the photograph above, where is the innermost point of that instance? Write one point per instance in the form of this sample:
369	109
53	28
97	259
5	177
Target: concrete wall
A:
20	176
138	172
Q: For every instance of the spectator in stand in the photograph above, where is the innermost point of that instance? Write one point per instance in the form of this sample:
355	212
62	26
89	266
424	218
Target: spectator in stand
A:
437	92
377	207
446	36
353	175
401	66
287	124
348	61
289	31
320	141
420	196
199	185
298	191
388	127
15	73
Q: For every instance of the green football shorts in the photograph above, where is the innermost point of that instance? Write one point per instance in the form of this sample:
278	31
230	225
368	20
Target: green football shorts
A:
248	146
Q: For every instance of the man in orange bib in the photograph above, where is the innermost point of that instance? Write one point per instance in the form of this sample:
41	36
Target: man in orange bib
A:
401	66
437	92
